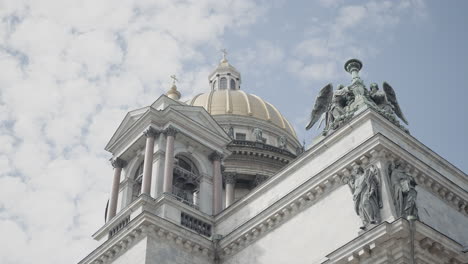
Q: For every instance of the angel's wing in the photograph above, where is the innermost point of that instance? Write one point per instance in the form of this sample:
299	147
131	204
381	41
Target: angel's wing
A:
391	97
322	102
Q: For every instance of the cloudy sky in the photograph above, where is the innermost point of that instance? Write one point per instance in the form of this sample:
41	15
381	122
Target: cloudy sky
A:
70	70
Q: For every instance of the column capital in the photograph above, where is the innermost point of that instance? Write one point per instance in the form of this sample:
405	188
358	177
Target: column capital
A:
230	177
151	132
170	131
118	162
216	156
259	179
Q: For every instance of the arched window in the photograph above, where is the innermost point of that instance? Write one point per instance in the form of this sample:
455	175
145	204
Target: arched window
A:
223	83
233	84
186	181
137	177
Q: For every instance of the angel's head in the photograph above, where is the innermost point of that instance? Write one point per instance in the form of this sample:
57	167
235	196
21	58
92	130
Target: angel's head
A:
374	87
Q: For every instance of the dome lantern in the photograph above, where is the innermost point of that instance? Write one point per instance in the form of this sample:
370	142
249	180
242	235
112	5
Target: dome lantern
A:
225	76
173	93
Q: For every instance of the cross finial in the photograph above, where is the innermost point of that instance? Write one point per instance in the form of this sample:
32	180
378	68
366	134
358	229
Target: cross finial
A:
224	51
174	79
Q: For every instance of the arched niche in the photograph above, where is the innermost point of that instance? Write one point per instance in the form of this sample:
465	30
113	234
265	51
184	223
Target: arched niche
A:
232	85
223	83
186	178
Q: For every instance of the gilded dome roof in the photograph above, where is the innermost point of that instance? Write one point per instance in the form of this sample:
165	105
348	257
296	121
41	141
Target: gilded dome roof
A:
237	102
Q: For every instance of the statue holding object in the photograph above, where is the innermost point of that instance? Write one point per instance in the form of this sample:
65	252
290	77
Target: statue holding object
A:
339	106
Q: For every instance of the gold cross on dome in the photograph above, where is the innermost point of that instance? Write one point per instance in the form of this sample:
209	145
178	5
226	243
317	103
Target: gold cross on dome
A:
174	79
224	51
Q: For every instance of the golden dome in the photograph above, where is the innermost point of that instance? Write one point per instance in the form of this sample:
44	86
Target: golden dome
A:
237	102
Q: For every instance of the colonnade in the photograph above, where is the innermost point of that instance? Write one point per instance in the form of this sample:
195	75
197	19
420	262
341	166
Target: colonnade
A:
151	134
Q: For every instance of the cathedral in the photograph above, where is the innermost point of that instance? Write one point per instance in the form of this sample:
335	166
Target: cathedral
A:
223	178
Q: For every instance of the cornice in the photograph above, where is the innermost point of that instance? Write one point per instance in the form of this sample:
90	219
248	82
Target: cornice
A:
384	237
147	224
428	178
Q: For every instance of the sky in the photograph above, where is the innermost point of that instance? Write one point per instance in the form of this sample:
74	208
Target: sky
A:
71	70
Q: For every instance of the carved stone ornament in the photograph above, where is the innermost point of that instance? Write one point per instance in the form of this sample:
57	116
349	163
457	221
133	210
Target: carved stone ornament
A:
151	132
118	163
230	177
403	190
366	188
282	142
231	132
336	108
171	131
258	135
216	156
259	179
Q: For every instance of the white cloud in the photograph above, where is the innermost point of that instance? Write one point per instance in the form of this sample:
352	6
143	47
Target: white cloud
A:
70	72
330	43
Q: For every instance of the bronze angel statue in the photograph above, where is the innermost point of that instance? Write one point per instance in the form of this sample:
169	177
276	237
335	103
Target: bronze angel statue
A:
334	105
337	106
386	101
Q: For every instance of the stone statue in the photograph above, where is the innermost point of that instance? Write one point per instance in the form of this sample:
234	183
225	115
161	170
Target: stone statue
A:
231	132
258	135
282	142
365	186
341	105
403	190
386	101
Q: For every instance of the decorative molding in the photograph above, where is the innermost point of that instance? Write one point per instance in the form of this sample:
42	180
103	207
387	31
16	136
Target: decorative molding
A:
151	132
147	224
118	163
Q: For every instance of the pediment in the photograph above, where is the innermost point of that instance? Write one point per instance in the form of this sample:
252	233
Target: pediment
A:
165	110
200	116
129	120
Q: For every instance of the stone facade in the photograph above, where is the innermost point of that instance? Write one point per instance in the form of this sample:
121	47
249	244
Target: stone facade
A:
366	192
310	201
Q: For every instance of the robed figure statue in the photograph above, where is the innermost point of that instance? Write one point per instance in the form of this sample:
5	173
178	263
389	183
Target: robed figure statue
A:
365	186
403	190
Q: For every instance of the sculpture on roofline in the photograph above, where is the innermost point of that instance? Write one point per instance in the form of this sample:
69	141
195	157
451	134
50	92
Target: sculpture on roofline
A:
336	108
403	190
365	186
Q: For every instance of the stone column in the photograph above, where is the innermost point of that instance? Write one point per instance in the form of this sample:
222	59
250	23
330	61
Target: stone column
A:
217	183
158	172
150	134
118	164
230	180
205	201
382	161
170	133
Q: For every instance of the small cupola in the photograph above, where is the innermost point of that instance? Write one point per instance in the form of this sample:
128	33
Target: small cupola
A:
173	93
225	76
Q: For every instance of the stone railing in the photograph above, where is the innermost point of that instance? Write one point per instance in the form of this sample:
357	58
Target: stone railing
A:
261	145
119	226
195	224
188	175
176	194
